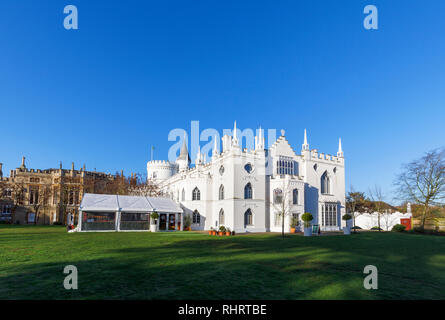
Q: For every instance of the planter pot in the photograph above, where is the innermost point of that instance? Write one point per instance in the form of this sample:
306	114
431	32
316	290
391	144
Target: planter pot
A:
233	233
213	233
308	231
153	228
292	230
228	233
188	229
347	230
220	233
210	232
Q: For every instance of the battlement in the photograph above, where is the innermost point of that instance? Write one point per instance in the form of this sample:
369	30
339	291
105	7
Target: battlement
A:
161	163
325	157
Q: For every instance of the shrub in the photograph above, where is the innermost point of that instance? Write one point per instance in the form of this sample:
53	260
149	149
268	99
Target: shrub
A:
307	218
222	229
293	222
154	215
347	217
398	228
57	223
4	222
376	228
355	228
187	221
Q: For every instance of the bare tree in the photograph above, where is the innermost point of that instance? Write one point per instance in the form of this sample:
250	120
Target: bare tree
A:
40	201
423	181
378	205
355	204
282	202
18	192
139	186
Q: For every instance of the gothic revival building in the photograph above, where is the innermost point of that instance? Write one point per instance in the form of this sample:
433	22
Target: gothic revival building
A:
247	190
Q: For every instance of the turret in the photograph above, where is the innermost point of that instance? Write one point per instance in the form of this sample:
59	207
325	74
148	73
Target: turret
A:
183	161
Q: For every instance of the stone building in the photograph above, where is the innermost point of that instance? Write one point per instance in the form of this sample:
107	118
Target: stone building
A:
38	196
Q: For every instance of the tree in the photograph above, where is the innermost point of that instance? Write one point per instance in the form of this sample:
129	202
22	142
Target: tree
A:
139	186
355	204
282	202
40	201
18	192
378	205
423	181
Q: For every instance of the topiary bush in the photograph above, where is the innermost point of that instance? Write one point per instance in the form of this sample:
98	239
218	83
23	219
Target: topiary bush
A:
398	228
307	218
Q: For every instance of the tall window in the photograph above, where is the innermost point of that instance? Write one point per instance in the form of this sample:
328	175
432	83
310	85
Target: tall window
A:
183	194
277	220
286	165
295	196
325	183
248	218
196	217
33	195
196	194
329	214
248	191
221	192
221	217
277	196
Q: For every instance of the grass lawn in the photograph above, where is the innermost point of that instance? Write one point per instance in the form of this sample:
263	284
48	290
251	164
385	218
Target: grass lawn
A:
187	265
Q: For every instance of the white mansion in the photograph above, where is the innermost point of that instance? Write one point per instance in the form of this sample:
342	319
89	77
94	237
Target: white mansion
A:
242	189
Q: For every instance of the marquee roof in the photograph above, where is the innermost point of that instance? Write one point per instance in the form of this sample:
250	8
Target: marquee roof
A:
107	202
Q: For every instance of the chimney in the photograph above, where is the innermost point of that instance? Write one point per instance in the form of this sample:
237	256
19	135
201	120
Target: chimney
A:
72	166
60	165
1	172
23	163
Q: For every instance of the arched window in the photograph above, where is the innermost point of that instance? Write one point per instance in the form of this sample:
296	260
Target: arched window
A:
248	191
295	196
221	192
248	218
277	196
183	194
196	194
221	217
196	217
325	183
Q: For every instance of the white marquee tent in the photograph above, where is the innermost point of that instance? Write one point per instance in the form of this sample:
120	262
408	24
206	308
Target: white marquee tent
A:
103	212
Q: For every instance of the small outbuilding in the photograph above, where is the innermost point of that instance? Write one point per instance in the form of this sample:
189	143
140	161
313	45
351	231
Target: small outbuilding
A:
103	212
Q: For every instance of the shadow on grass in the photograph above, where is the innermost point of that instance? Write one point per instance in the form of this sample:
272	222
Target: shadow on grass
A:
186	266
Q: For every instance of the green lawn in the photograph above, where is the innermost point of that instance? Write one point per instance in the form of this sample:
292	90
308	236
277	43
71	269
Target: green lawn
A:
187	265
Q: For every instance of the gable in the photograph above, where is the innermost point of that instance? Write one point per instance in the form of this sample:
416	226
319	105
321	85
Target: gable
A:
281	147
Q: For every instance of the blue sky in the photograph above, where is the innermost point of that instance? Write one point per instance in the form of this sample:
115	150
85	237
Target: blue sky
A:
134	70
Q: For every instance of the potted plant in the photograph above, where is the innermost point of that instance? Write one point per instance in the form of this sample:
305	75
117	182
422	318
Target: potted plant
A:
228	233
233	232
187	223
293	224
210	231
347	229
307	218
153	221
222	230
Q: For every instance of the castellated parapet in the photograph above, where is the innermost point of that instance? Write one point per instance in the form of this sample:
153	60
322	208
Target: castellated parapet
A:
161	169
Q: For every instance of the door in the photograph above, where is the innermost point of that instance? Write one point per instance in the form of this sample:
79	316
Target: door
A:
406	222
162	221
171	222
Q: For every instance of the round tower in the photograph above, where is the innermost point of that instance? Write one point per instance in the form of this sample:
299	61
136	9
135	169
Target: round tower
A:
160	170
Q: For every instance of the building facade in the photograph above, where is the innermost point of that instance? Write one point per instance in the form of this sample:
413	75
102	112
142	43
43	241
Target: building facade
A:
249	190
46	196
